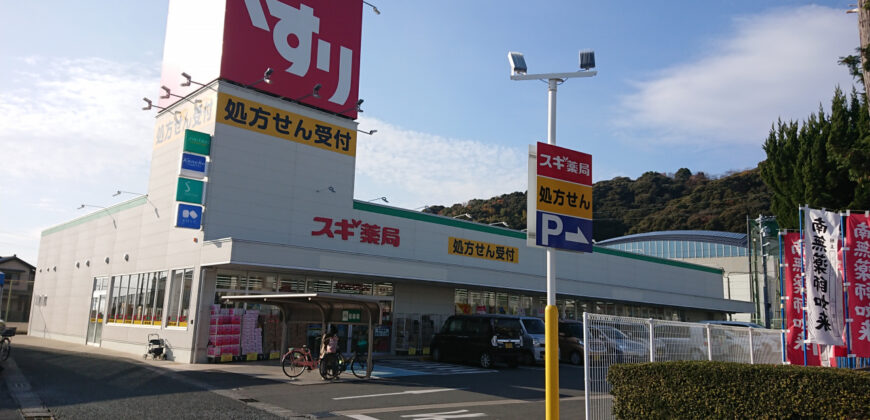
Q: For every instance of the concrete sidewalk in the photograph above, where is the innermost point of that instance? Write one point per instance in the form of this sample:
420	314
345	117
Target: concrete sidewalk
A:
265	369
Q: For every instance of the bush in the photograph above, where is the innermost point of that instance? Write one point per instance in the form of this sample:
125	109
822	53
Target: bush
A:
694	390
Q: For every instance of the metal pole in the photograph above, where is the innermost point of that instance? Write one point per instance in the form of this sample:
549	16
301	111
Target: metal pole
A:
551	338
587	380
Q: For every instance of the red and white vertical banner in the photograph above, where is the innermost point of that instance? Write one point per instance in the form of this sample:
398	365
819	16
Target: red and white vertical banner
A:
857	269
794	310
824	282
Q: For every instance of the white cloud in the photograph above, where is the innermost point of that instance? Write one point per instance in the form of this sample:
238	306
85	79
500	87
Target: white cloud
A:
61	119
70	132
413	169
779	64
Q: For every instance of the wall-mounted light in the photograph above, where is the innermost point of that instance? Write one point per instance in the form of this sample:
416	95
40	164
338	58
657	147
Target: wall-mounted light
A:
357	106
370	132
329	188
384	199
466	215
126	257
500	224
170	94
119	192
375	9
266	78
315	93
114	222
149	105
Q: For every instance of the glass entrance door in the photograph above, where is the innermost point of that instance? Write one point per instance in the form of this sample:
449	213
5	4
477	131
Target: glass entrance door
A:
98	312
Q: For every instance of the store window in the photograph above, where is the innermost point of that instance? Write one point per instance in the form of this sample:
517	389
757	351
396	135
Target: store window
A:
292	284
137	298
179	298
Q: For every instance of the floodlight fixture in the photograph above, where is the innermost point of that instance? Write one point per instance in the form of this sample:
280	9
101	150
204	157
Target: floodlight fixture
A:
114	222
384	199
356	105
119	192
315	92
370	132
587	59
375	9
518	63
519	70
149	105
501	223
463	215
266	78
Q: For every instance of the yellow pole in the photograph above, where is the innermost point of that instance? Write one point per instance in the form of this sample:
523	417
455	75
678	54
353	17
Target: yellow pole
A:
551	361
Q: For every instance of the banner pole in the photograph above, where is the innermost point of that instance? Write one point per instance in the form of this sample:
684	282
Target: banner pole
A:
782	233
803	280
847	322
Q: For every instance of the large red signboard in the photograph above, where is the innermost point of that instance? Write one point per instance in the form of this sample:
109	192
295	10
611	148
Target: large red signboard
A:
304	42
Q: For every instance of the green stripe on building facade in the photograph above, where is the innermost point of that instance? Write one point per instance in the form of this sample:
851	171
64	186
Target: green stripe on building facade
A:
108	211
441	220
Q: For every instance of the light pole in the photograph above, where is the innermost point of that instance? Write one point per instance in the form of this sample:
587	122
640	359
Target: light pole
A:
551	313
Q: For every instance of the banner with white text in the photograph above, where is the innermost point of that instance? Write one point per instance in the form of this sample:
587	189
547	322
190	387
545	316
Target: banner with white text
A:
824	282
857	268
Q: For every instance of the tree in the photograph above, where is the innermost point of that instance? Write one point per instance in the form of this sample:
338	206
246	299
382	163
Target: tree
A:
823	162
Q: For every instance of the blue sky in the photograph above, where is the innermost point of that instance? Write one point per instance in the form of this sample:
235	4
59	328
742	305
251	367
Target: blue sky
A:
679	84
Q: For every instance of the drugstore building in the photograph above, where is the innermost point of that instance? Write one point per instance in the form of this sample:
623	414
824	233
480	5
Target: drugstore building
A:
251	192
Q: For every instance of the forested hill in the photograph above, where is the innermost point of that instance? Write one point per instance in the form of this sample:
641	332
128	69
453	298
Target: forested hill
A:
653	202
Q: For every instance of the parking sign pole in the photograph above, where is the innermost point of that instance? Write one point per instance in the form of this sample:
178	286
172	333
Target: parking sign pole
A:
551	313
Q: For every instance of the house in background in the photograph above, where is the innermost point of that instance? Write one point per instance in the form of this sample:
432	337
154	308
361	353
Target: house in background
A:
17	289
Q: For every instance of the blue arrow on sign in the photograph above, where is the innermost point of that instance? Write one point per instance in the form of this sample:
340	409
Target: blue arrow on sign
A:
564	232
189	216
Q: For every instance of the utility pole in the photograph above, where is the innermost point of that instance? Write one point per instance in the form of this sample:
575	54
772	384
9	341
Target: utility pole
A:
864	37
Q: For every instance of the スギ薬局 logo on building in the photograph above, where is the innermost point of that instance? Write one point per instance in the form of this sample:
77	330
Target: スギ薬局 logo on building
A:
305	42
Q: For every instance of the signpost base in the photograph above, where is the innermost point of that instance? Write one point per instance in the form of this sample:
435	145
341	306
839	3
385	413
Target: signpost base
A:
551	360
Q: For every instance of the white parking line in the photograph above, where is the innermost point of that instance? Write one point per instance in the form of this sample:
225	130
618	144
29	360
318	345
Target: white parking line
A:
410	392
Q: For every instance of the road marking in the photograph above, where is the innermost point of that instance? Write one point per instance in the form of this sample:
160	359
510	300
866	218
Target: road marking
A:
412	392
458	414
349	413
361	417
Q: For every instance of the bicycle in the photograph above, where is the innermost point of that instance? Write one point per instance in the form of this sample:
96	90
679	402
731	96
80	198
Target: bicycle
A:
334	363
296	360
6	343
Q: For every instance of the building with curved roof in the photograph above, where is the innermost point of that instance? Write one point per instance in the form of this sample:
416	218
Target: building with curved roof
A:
725	250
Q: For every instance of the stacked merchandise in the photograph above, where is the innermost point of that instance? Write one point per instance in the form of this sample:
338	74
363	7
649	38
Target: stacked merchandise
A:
252	336
271	333
224	329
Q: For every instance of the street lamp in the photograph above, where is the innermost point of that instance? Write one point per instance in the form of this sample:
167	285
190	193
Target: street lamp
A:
519	71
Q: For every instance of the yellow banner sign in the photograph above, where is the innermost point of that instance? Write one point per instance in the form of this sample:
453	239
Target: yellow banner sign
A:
566	198
487	251
260	118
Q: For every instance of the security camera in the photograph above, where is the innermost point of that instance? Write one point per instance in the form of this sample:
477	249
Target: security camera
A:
518	63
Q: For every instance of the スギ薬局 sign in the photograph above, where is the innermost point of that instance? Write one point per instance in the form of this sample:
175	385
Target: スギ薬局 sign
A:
561	181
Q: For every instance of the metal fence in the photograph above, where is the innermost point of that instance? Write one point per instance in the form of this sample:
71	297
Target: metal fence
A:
614	339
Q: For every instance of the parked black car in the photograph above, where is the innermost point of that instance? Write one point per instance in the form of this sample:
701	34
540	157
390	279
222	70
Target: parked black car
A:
482	339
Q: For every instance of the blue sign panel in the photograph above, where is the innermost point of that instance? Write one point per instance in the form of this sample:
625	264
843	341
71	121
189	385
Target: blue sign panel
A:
192	165
189	216
2	278
564	232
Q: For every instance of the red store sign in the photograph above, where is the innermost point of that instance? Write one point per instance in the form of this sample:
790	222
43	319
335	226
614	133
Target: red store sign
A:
346	229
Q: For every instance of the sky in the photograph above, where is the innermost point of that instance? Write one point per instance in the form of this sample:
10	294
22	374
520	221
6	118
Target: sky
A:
679	84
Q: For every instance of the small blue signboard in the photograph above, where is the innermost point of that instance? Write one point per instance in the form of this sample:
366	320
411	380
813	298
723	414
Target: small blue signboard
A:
193	165
189	216
564	232
2	279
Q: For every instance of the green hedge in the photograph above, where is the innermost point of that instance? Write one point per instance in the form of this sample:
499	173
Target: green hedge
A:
709	390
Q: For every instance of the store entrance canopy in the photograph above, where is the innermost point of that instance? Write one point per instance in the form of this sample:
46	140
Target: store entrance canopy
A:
332	307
